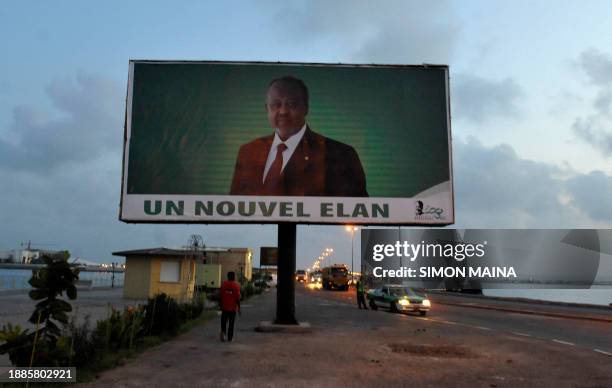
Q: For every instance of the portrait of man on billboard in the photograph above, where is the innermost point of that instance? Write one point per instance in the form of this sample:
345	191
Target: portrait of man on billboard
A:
295	160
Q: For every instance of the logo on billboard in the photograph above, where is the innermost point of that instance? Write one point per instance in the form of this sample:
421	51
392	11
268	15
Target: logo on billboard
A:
426	212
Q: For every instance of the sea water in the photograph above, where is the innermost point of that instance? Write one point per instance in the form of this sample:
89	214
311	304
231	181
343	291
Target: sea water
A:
598	295
17	279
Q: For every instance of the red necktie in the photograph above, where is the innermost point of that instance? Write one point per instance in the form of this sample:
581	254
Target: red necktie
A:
274	173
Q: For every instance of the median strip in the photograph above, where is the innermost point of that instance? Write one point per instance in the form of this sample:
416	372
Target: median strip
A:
528	312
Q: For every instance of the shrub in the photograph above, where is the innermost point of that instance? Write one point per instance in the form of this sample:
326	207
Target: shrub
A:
17	343
247	290
162	316
191	310
45	346
83	350
77	345
122	329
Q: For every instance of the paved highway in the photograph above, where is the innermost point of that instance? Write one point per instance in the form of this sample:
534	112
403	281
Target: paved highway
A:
594	334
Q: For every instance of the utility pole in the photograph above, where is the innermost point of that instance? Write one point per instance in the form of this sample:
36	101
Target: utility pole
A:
352	229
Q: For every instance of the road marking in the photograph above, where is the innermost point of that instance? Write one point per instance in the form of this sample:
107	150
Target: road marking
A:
563	342
324	304
603	352
483	328
442	321
522	334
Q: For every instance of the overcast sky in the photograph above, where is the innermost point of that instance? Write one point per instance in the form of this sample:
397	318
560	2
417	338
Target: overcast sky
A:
531	102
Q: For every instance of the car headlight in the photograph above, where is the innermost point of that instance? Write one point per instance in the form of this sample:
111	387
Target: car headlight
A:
404	302
426	302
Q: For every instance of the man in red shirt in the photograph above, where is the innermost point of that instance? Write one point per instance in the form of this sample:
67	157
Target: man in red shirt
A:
229	301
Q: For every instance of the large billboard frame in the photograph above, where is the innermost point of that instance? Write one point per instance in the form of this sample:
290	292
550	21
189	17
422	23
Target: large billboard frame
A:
423	220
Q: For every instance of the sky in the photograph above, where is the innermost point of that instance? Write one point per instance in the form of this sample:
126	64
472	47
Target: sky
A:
531	103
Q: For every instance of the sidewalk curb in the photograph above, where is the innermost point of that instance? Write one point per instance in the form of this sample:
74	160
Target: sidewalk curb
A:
270	327
529	312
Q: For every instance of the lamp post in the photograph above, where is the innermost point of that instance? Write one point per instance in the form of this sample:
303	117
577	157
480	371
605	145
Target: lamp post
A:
352	229
328	252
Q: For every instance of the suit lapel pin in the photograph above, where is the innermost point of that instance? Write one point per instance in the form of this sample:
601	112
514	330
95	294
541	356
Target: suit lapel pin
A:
305	157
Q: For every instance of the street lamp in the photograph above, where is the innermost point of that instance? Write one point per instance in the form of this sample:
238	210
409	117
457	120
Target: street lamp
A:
328	252
352	229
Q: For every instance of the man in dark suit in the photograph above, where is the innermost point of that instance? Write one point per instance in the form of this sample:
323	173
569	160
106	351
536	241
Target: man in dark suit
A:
296	161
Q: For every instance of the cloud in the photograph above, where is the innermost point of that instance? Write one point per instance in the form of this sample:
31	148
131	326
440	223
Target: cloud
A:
596	128
494	187
479	99
88	122
592	193
373	32
597	66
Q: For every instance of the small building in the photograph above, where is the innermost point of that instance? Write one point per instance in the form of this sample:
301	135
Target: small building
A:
173	271
153	271
238	260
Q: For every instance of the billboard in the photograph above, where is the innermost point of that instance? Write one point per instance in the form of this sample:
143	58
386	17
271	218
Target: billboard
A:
222	142
268	256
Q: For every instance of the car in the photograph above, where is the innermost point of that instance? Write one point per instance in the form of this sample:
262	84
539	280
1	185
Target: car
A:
300	276
399	298
316	277
264	280
315	285
272	280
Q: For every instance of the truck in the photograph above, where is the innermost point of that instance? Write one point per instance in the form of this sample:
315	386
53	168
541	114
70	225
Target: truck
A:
335	277
300	276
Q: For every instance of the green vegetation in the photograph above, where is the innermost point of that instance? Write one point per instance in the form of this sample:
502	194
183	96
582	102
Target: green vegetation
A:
47	345
60	341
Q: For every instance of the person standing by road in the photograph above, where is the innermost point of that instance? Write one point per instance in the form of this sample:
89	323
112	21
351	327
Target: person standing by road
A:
229	301
361	294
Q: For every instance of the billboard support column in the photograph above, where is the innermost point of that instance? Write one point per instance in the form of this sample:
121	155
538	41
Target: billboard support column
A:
285	292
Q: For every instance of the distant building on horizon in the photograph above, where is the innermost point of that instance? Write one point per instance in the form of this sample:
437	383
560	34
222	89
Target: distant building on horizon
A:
34	256
8	256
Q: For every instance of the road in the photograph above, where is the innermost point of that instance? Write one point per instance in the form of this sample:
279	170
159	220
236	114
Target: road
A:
594	335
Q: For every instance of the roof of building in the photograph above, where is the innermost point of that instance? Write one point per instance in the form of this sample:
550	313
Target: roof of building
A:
180	252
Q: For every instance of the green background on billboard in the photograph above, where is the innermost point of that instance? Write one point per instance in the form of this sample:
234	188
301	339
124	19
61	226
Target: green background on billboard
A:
189	120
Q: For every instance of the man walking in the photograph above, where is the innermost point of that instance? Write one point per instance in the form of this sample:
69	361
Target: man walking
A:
361	294
229	301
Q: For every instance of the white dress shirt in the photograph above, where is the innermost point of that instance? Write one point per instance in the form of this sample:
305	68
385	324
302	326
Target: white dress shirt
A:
291	143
